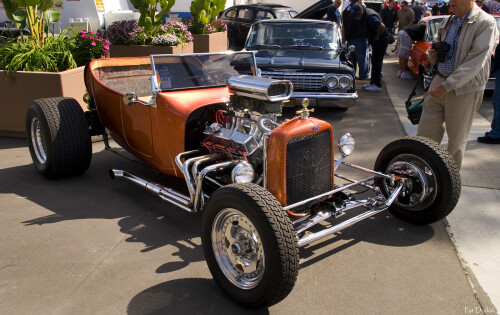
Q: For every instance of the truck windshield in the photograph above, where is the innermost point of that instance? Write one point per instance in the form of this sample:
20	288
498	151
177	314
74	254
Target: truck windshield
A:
289	35
177	72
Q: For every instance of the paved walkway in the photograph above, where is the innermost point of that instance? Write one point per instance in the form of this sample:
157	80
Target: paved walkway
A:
474	224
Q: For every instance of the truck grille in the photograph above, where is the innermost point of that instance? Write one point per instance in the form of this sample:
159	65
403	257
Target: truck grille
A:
308	166
301	81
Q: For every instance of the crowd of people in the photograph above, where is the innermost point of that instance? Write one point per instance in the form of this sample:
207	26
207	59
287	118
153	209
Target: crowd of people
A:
461	71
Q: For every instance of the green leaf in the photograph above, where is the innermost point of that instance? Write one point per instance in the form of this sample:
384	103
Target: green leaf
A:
44	5
10	7
27	3
53	15
137	3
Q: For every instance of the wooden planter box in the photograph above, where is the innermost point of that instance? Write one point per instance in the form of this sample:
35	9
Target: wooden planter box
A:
214	42
15	96
146	50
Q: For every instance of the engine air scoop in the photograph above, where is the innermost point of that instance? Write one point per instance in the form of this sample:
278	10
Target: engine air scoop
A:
260	88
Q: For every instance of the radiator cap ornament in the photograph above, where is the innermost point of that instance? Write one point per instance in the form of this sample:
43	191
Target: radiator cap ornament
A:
304	113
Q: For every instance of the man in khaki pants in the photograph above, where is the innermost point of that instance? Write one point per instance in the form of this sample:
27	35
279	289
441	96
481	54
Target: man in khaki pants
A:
456	92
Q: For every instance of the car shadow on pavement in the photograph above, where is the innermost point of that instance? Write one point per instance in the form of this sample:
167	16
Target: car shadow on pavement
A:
93	195
186	296
381	229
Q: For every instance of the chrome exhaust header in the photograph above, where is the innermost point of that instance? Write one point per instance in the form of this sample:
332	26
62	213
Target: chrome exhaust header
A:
167	194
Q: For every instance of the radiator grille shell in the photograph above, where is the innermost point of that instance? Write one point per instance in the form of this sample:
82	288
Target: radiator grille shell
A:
308	166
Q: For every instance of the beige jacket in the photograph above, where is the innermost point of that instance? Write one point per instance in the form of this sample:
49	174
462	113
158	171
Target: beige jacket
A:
476	43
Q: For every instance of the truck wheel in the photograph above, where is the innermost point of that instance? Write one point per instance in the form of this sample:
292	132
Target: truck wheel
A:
249	245
58	137
433	179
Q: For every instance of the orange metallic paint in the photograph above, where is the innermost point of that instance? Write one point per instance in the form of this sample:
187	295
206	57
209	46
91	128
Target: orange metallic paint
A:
155	135
276	154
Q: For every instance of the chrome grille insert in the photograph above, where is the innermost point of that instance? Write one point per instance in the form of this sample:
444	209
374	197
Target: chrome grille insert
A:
301	81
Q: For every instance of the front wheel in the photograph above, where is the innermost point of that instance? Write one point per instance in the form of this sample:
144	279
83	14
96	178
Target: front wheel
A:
432	186
249	245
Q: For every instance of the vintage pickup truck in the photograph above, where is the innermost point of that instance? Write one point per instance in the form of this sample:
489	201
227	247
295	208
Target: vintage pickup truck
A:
261	184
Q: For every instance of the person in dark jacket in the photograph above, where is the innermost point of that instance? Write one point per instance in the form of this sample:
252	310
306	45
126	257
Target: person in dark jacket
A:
493	136
388	15
378	38
354	33
333	12
435	9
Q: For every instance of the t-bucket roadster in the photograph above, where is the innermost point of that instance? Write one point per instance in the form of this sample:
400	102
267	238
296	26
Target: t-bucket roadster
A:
261	184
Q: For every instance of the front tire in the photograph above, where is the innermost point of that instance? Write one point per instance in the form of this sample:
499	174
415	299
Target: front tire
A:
249	245
433	179
58	137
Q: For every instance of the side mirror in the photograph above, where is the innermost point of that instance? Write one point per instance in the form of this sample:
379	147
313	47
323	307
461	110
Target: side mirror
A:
130	98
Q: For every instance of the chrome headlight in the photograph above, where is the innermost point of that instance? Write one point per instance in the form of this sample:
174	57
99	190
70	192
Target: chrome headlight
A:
243	172
346	144
331	82
345	82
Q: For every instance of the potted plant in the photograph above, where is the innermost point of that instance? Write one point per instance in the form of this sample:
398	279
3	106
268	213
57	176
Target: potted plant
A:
148	35
40	64
128	39
209	32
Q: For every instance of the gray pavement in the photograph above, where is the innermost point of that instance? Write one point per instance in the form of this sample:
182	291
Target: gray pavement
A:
89	245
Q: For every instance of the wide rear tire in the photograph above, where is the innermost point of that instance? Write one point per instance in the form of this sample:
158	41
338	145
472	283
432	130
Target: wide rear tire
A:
249	245
433	179
58	137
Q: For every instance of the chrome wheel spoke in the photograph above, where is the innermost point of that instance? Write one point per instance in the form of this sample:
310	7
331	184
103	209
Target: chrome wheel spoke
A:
238	249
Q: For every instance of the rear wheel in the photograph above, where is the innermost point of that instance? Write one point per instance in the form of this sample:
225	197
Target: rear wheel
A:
432	177
249	245
58	137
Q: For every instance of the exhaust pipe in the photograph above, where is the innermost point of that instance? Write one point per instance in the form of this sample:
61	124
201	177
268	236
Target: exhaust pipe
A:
169	195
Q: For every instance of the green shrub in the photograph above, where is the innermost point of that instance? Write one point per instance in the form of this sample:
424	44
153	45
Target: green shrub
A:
27	55
204	13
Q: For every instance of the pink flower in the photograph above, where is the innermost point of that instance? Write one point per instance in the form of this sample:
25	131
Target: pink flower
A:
106	41
93	43
84	36
106	47
91	37
98	39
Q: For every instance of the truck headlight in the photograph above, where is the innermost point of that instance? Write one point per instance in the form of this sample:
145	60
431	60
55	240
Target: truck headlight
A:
344	82
243	172
330	82
346	144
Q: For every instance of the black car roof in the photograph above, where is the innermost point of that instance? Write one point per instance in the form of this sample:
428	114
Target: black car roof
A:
261	5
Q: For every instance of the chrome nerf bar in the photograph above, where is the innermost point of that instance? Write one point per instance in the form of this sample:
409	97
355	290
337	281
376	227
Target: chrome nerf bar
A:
331	192
334	229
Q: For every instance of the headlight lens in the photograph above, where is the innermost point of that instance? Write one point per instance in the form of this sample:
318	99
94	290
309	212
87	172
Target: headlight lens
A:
243	172
331	83
345	82
346	144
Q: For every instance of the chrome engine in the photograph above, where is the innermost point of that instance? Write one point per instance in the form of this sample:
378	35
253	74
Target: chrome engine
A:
255	104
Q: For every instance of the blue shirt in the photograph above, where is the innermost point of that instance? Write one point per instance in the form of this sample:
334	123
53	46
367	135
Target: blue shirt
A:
333	14
448	66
